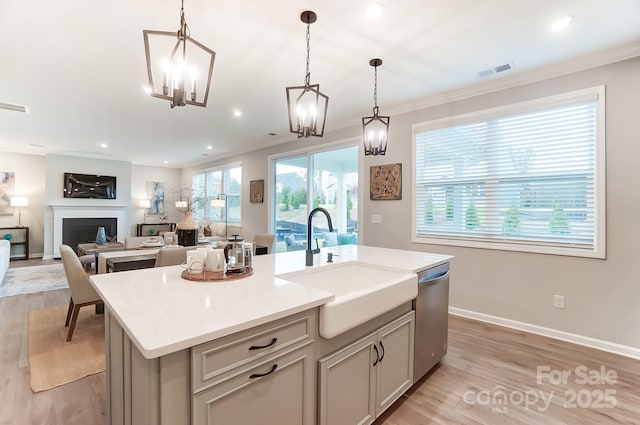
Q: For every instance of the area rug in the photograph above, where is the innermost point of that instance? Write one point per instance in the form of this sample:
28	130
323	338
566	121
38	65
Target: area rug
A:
52	360
30	279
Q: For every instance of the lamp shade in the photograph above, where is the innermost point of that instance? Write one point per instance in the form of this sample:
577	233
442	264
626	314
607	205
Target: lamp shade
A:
19	201
145	203
218	203
181	204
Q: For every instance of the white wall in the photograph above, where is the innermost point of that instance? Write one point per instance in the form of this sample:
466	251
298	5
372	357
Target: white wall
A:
601	295
29	177
172	185
40	178
130	188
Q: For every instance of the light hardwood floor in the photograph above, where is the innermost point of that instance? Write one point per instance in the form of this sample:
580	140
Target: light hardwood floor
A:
484	362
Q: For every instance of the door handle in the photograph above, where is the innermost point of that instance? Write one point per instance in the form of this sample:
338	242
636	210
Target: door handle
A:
260	375
260	347
382	347
375	347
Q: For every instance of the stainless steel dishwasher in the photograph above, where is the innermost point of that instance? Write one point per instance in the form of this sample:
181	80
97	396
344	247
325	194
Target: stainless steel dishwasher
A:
432	319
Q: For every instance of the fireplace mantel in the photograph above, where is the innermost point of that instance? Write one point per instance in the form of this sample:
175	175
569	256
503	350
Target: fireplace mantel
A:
61	212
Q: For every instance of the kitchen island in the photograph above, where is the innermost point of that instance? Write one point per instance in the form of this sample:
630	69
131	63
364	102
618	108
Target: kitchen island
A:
176	348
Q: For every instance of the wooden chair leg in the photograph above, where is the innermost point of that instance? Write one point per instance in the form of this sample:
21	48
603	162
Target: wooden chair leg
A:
76	310
69	312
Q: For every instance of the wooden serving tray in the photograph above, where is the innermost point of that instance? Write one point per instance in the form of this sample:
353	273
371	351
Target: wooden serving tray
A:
209	276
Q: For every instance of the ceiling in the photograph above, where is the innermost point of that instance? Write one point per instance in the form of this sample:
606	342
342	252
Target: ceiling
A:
79	66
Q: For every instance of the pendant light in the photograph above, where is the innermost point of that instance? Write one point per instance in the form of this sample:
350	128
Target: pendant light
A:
307	107
375	129
177	64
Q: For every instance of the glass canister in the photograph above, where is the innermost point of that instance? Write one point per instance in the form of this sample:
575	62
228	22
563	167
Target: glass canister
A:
248	255
236	255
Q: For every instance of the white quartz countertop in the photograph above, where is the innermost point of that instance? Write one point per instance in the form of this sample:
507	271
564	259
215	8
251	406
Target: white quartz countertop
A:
163	313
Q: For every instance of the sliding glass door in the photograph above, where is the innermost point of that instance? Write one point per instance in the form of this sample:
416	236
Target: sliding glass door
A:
327	179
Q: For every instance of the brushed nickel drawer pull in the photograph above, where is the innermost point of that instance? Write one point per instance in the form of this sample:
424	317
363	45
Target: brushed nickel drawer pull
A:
260	347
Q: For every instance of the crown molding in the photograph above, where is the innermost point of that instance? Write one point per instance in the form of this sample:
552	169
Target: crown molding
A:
539	74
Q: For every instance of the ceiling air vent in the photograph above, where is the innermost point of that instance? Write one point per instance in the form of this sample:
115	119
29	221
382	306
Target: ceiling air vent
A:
497	69
13	107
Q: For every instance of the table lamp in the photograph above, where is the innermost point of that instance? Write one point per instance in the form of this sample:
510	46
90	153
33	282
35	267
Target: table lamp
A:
146	204
19	201
221	202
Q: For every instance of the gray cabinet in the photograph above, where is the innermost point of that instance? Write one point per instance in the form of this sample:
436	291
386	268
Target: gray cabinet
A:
269	368
360	381
263	375
275	392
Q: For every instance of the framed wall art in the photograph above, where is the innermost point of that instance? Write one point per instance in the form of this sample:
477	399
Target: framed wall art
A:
155	195
7	188
256	191
385	182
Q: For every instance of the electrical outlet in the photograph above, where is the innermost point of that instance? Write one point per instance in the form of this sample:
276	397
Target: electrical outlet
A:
376	218
558	301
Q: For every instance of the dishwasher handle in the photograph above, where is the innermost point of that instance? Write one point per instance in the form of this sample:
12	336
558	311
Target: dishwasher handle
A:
431	279
433	275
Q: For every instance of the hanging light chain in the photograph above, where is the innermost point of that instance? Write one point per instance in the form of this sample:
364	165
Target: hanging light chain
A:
375	87
183	32
307	78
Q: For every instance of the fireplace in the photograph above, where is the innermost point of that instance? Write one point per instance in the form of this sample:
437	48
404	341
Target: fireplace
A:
83	230
112	218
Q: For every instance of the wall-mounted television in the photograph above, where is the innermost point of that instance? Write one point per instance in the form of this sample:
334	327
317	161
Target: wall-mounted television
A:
89	186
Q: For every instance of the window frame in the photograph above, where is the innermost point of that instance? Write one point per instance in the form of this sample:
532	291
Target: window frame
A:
224	170
599	243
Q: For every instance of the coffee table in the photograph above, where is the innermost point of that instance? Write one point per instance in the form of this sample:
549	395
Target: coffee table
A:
103	257
131	262
92	248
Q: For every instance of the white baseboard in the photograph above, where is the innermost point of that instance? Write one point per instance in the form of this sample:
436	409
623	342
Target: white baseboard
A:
598	344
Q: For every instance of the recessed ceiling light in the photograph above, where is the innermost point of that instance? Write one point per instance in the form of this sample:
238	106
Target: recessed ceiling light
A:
165	162
374	11
146	89
209	147
104	145
561	24
237	113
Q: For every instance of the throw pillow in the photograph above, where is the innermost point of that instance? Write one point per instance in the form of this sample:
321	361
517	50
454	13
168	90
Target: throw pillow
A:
346	238
290	240
330	238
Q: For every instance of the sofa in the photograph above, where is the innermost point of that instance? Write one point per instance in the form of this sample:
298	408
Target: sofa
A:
5	254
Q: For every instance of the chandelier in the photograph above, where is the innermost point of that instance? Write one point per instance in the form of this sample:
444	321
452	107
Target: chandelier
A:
175	65
307	107
375	129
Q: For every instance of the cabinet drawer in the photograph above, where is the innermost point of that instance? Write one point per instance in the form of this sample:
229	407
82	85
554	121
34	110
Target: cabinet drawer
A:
214	361
277	391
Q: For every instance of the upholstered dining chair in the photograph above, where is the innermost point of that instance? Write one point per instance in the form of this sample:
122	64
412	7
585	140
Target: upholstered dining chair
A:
82	293
266	239
172	256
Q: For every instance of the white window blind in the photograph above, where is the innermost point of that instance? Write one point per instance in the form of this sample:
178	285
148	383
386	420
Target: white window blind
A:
525	180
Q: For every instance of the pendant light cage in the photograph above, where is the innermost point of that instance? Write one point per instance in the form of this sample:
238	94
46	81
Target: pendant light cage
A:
306	105
179	67
375	129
